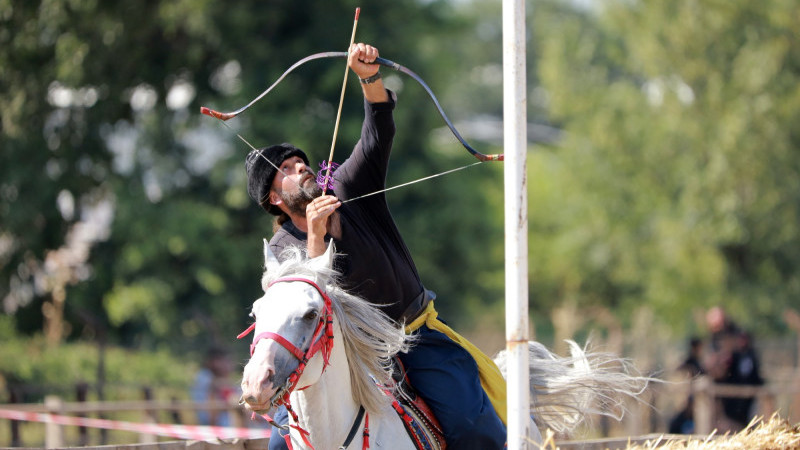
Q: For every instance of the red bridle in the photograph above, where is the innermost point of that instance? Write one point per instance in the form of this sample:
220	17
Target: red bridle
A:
321	340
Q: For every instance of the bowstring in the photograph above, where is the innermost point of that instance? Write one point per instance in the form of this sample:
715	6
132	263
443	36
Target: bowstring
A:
409	183
415	181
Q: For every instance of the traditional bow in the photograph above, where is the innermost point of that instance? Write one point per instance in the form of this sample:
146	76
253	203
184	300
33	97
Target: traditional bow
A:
382	61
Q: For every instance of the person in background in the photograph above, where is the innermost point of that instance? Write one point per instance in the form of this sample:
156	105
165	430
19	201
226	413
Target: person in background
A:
732	360
683	422
213	383
744	370
693	364
723	334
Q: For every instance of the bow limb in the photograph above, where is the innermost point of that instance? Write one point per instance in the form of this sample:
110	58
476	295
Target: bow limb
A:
418	79
382	61
229	115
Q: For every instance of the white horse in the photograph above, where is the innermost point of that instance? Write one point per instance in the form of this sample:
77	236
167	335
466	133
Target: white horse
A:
327	354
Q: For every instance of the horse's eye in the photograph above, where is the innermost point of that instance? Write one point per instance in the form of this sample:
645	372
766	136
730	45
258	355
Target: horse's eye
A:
311	315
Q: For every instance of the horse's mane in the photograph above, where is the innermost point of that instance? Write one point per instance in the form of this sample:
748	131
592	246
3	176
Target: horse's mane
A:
370	337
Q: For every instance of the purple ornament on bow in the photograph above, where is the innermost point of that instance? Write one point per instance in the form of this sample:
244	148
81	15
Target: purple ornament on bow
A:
323	169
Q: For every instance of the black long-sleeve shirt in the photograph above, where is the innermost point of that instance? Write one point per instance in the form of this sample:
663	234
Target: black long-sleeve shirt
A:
376	264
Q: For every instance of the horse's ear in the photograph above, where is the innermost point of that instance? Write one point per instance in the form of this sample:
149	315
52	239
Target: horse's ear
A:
271	263
325	260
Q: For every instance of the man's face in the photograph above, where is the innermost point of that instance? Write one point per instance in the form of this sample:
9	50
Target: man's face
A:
294	185
715	319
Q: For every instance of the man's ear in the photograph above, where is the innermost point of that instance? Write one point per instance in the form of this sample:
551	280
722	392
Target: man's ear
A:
274	198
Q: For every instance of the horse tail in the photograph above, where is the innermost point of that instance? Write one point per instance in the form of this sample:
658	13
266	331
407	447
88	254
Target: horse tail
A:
564	391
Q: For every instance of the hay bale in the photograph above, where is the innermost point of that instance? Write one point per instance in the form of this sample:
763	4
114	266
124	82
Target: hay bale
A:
776	433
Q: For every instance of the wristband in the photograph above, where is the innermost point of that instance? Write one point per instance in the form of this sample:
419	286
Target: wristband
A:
372	79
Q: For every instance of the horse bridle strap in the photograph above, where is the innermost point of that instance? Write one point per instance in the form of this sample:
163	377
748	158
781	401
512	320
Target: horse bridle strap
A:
352	434
274	336
279	339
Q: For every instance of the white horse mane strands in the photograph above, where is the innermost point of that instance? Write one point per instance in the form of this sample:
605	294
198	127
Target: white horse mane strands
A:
370	337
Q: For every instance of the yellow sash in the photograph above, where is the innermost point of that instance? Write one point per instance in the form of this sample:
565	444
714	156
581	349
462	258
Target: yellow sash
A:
491	379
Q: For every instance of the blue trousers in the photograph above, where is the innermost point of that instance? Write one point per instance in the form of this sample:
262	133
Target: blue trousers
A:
446	376
276	441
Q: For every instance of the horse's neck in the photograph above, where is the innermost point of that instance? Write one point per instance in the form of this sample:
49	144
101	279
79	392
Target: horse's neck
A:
326	409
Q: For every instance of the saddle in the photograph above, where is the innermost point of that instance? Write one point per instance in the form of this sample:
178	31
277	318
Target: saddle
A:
420	423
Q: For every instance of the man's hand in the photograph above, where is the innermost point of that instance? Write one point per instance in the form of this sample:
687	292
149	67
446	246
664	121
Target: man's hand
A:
360	59
317	214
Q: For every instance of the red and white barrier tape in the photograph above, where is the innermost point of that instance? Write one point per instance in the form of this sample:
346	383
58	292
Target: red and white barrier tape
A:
196	432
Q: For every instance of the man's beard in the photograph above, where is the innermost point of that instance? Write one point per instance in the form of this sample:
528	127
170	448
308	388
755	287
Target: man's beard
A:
298	200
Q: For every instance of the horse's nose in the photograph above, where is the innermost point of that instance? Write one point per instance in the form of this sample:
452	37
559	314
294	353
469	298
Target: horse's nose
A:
256	382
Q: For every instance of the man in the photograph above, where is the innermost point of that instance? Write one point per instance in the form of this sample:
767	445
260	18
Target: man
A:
376	264
744	370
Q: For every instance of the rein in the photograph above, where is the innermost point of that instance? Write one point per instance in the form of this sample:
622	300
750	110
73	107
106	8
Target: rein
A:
321	340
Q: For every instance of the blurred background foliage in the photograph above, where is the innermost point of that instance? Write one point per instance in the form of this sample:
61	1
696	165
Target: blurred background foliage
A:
663	165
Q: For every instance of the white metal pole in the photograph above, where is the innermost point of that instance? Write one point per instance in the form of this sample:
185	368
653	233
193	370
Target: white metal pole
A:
516	221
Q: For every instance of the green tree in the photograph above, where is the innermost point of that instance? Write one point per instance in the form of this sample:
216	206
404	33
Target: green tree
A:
124	212
676	183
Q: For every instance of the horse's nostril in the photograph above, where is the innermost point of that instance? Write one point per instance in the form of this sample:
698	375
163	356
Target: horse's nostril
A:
250	399
269	378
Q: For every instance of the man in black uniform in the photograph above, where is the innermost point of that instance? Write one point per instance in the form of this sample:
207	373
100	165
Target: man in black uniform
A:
376	264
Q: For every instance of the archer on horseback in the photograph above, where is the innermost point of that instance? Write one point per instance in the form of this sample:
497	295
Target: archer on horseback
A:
462	386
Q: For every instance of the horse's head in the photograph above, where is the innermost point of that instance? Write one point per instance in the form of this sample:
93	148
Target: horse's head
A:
297	321
292	324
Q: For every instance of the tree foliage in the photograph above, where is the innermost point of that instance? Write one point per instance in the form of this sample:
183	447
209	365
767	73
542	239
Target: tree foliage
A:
677	179
125	211
672	184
